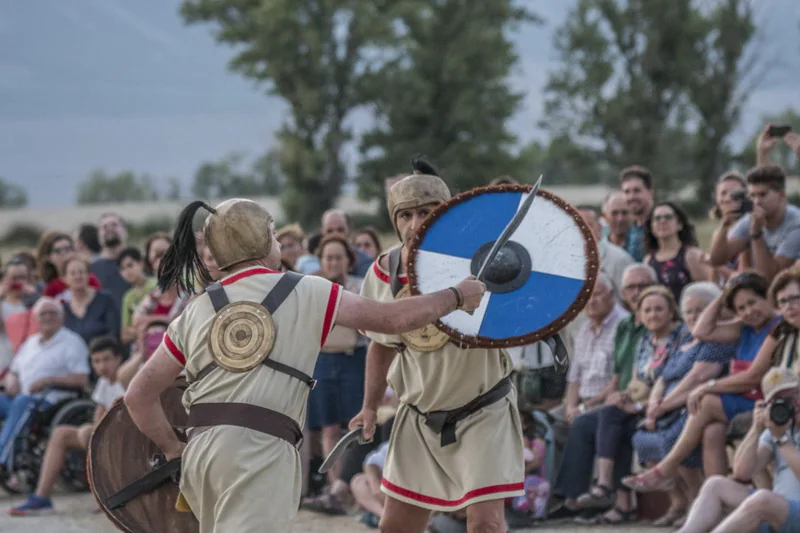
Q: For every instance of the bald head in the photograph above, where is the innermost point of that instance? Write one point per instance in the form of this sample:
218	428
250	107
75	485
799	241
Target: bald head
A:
618	214
336	222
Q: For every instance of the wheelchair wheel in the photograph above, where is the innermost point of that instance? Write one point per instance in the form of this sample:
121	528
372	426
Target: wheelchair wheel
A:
73	473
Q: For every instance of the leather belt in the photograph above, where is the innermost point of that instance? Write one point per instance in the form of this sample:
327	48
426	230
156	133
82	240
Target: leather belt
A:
444	422
247	416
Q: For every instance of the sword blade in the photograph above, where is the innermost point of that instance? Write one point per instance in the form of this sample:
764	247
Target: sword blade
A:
340	447
509	229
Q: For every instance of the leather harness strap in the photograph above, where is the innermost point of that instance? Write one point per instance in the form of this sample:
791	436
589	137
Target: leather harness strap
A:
395	255
273	300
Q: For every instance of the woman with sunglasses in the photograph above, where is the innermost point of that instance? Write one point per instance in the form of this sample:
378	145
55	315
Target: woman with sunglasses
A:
672	248
53	251
714	404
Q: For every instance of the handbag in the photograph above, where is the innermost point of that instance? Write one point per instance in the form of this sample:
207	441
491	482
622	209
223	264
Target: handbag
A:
341	340
542	374
737	367
638	390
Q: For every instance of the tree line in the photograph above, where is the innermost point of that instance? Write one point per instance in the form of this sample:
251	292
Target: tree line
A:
655	82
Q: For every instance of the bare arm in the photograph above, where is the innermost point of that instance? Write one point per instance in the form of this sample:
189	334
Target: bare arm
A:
612	387
698	268
750	458
573	398
99	411
128	369
723	249
750	378
379	358
709	329
767	264
11	384
699	374
73	380
143	399
791	455
398	316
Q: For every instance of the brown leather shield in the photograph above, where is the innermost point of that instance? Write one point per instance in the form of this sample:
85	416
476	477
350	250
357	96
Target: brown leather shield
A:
119	455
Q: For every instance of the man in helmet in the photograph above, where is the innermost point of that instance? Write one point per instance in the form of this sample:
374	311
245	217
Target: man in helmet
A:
456	440
248	366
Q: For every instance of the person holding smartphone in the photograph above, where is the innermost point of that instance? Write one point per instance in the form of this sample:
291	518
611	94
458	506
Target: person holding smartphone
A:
769	138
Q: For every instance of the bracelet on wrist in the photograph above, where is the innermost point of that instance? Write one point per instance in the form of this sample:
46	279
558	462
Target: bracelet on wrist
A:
757	235
459	297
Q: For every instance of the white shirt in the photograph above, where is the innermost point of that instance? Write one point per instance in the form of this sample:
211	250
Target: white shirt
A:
378	457
64	354
105	392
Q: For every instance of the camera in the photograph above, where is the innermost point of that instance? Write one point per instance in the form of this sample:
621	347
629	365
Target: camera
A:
745	203
781	411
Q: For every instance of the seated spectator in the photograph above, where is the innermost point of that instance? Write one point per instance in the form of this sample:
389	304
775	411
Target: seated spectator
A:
760	511
17	291
154	249
537	489
54	250
89	312
367	241
613	259
106	355
366	487
593	359
131	267
158	307
693	364
672	248
308	263
617	422
53	357
291	241
717	402
575	473
619	223
637	184
771	232
730	196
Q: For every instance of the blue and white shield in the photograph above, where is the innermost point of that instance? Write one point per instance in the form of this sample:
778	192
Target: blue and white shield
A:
538	282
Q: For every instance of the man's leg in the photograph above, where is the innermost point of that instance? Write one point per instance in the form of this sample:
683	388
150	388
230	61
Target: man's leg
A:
486	517
761	506
16	418
62	439
575	473
401	517
717	496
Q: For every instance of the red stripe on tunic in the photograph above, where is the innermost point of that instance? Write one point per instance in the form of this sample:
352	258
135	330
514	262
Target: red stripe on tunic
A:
494	489
247	274
174	351
385	277
328	324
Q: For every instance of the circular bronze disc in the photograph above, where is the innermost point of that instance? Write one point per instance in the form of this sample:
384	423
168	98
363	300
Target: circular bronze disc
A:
425	339
241	336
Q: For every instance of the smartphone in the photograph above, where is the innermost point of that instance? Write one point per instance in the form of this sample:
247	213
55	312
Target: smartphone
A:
779	130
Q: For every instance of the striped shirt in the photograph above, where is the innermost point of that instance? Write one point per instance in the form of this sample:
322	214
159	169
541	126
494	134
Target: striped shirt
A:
593	356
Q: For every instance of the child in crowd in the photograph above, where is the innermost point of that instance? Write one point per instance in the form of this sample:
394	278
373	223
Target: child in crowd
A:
537	488
106	356
366	487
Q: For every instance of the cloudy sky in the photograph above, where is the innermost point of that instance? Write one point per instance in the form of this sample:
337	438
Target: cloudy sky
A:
119	85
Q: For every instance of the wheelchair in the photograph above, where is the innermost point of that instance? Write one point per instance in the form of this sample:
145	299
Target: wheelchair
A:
29	448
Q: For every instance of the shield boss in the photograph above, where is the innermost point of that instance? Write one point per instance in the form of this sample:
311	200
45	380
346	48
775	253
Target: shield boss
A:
425	339
241	336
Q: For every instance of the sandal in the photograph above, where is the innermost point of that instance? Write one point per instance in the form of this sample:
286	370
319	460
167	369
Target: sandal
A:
649	481
670	518
592	500
326	504
624	517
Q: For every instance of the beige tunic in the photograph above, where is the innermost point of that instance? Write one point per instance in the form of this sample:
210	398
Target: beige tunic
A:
239	479
486	462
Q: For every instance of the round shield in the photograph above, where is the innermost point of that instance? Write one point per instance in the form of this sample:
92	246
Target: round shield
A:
241	336
536	284
425	339
119	455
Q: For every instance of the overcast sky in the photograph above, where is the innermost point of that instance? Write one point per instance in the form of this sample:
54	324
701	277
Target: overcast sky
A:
124	85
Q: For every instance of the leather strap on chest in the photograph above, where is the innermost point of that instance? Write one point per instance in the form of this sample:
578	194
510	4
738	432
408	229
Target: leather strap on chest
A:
395	255
273	300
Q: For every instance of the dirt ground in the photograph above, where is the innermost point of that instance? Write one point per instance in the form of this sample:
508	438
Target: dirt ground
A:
78	513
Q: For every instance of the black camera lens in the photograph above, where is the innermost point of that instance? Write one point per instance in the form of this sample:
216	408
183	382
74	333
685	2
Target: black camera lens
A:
781	411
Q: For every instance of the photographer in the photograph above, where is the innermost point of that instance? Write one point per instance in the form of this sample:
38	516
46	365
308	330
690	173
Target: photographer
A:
771	231
772	436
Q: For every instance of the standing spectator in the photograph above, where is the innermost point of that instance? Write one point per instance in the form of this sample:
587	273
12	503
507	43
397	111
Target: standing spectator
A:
89	313
367	240
593	360
87	242
17	292
113	235
619	221
154	249
637	185
105	354
339	373
53	357
131	267
613	259
53	251
337	222
765	143
759	511
718	401
672	250
308	263
291	241
730	196
771	232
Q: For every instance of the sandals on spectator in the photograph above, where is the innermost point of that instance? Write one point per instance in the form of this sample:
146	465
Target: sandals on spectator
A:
624	517
325	504
652	480
593	500
670	518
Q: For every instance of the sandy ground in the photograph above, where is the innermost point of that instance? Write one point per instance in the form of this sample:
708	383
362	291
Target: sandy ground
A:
77	513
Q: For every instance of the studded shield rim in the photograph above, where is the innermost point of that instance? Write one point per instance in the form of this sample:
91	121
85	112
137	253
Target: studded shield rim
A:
241	336
556	325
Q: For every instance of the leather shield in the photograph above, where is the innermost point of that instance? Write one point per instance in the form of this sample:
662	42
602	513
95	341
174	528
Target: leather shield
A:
119	455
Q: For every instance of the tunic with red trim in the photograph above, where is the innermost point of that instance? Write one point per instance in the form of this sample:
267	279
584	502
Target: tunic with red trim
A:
302	323
486	461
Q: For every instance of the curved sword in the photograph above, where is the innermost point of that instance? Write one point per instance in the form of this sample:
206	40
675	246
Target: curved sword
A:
509	229
344	443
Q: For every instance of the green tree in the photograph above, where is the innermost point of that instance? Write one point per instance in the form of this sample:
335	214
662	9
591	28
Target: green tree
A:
101	187
173	189
781	154
446	94
562	162
224	179
652	82
268	174
12	195
316	55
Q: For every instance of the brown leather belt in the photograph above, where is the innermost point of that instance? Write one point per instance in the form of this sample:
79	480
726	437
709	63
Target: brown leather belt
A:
247	416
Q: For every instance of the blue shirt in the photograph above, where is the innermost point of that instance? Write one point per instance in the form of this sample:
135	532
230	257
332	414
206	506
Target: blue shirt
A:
750	340
634	241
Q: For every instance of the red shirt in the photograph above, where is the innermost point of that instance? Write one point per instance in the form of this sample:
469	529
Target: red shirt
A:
57	286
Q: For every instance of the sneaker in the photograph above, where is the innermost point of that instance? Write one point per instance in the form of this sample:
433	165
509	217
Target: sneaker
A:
370	520
34	506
